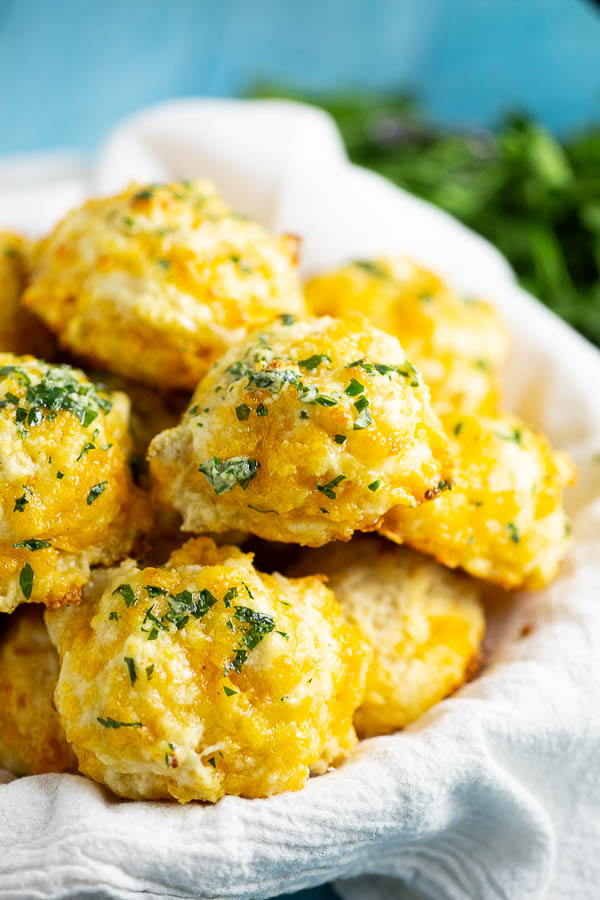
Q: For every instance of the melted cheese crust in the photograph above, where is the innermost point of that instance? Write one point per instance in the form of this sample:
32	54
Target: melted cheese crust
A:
195	726
458	343
504	519
157	282
65	482
304	433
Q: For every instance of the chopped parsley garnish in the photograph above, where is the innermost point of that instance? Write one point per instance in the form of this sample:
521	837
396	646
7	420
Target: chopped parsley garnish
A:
224	474
323	510
406	369
374	485
212	762
164	263
146	193
60	474
261	410
95	491
259	625
112	723
516	435
85	449
364	418
32	544
229	691
242	412
340	438
149	672
154	591
328	489
272	380
230	595
287	319
258	509
513	532
313	361
113	616
126	592
370	267
354	388
130	663
458	428
26	580
22	501
304	414
57	390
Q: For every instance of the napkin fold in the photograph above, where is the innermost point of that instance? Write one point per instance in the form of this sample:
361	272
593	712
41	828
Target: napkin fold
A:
495	792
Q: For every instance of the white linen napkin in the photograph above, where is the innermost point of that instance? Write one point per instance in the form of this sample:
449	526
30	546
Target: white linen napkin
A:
495	793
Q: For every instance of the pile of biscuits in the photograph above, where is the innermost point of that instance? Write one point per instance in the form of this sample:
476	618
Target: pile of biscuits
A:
247	521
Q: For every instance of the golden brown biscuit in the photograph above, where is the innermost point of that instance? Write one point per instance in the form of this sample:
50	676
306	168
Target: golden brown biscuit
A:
66	492
157	282
20	332
304	433
457	342
32	740
205	677
503	520
424	623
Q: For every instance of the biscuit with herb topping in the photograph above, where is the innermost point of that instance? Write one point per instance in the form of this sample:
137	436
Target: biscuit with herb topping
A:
66	492
304	433
205	677
503	520
458	342
157	282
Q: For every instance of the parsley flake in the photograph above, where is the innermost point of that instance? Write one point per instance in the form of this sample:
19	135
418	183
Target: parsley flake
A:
32	544
95	491
328	489
224	474
112	723
26	580
130	663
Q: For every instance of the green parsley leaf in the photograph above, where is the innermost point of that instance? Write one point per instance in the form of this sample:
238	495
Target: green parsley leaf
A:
149	672
22	501
328	489
374	485
242	412
340	438
354	388
32	544
26	580
261	410
130	663
112	723
95	491
224	474
513	532
287	319
126	592
85	449
229	691
313	361
259	626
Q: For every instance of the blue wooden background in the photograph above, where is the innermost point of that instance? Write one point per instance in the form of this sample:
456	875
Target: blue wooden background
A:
70	69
